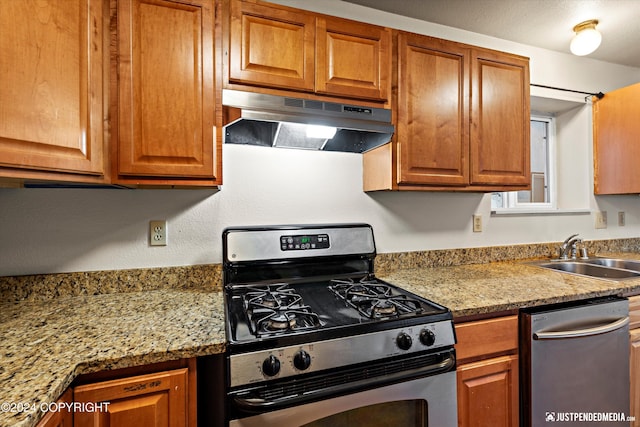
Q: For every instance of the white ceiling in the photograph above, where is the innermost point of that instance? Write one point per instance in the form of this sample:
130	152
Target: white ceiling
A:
543	23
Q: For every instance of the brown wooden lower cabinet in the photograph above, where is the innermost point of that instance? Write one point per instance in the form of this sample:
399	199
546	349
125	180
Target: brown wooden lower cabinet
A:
138	397
487	373
59	418
488	393
158	399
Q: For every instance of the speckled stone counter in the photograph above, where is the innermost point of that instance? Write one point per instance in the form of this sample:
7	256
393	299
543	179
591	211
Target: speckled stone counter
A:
56	327
47	342
489	289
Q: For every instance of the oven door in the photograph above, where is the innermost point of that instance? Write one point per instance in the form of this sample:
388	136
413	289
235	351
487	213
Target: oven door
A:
421	402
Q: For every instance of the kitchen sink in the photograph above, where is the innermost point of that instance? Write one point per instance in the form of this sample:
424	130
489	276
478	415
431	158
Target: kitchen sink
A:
600	268
616	263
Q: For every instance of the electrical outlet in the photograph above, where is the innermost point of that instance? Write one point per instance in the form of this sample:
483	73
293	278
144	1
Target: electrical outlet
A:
158	233
621	219
477	223
601	219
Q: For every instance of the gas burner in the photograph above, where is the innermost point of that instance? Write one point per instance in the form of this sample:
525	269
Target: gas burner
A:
277	309
395	305
373	299
383	308
278	296
278	322
364	288
271	322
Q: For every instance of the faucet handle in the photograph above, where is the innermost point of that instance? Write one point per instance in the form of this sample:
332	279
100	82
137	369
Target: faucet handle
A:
574	247
562	252
568	247
583	253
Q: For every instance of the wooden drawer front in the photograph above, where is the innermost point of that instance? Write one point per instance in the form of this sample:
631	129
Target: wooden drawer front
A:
634	312
486	338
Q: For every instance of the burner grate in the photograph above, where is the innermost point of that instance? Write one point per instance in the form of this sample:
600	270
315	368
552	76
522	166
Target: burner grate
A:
373	299
277	309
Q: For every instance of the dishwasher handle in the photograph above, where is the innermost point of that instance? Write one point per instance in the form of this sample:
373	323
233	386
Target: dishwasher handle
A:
603	329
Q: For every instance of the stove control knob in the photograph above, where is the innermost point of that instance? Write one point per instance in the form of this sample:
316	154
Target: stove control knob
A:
404	341
427	337
302	360
271	366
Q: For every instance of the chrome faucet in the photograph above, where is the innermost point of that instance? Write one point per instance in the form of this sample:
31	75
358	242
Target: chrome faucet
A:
569	247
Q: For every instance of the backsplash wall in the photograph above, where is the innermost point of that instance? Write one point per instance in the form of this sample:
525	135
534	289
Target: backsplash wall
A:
74	230
66	230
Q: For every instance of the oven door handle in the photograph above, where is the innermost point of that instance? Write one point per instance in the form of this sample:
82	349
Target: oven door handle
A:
256	405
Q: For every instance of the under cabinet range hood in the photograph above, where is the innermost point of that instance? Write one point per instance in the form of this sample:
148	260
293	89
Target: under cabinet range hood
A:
279	121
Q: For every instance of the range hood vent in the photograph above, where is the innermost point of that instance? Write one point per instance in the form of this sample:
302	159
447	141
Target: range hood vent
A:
278	121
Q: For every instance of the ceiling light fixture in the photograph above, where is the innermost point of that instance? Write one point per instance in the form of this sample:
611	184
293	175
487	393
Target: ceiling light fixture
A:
587	38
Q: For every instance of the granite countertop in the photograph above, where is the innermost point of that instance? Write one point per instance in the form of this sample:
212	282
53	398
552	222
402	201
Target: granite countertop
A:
478	290
46	344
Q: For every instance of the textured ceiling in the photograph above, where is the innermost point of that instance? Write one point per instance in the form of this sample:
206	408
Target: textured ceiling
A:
543	23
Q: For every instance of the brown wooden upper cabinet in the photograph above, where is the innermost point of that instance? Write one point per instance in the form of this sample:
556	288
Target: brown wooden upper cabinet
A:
277	47
616	141
51	96
166	94
462	120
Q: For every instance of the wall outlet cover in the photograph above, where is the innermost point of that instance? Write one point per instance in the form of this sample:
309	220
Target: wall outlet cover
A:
158	233
477	223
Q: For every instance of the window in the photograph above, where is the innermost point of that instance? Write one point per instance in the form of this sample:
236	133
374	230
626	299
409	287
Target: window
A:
542	196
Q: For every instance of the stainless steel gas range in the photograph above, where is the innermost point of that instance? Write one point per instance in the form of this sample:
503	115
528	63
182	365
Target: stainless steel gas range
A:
315	339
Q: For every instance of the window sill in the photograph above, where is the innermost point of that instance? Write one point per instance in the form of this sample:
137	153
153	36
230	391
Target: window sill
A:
524	211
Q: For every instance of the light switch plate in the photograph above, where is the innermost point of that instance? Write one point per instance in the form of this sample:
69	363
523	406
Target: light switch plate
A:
477	223
601	219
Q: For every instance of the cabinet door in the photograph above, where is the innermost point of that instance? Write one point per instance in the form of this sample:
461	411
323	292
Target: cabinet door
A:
159	399
62	418
500	119
616	141
51	65
433	105
635	377
271	46
166	88
353	59
488	393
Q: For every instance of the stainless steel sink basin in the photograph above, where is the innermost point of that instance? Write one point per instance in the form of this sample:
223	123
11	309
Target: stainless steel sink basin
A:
616	263
596	267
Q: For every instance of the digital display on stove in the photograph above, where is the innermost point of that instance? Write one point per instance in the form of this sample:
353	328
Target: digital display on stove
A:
304	242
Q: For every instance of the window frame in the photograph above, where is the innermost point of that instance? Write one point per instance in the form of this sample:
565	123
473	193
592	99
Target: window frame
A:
510	202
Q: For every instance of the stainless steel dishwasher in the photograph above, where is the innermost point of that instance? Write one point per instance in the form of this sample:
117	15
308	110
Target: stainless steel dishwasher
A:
574	363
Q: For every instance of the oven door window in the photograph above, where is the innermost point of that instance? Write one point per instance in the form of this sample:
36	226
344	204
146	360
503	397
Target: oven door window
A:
390	414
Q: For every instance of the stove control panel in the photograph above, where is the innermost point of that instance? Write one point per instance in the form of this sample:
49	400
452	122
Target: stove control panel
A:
304	242
282	362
